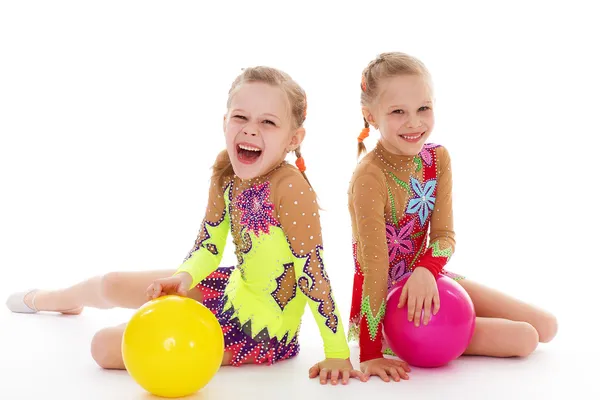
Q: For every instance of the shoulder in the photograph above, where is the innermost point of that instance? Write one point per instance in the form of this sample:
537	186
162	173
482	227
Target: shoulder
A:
435	154
440	152
368	171
288	180
286	175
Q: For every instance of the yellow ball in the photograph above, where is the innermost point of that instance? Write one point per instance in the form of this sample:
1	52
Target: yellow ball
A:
173	346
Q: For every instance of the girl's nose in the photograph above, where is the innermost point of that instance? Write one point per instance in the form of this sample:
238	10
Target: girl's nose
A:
414	121
250	130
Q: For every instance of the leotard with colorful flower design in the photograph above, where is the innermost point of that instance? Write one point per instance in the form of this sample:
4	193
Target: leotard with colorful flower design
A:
274	222
396	203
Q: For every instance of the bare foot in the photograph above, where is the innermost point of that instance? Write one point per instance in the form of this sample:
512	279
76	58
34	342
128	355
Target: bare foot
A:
50	301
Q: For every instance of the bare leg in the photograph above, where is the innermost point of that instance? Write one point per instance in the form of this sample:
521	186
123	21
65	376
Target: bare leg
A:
506	327
115	289
106	348
497	337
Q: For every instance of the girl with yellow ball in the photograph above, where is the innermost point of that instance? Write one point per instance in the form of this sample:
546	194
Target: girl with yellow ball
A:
271	211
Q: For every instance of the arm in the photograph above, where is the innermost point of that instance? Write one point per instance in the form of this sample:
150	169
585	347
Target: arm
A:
206	255
441	234
299	217
368	198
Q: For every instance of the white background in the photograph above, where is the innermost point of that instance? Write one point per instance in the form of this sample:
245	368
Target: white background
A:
111	116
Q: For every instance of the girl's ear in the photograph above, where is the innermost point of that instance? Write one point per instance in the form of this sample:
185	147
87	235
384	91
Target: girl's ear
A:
369	117
297	138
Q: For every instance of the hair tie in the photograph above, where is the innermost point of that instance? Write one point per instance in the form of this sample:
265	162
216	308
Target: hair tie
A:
363	135
300	164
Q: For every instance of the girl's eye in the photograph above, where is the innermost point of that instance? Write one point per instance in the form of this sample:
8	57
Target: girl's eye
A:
424	108
268	121
398	111
239	117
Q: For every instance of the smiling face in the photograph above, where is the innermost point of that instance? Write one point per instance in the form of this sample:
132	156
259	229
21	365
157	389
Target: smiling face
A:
259	129
403	113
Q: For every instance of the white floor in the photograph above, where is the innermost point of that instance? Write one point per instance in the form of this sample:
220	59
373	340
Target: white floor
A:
47	356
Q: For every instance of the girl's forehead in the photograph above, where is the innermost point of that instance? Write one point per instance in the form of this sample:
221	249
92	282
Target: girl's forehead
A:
260	98
404	89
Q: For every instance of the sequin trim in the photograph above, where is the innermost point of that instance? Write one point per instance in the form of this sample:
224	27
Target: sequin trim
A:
373	321
424	200
243	347
238	340
417	235
399	241
326	306
353	331
392	206
416	257
437	252
388	352
426	155
281	298
400	182
396	273
205	235
257	210
419	163
453	275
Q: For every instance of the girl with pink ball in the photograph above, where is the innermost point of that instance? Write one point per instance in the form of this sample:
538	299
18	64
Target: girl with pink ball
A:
400	201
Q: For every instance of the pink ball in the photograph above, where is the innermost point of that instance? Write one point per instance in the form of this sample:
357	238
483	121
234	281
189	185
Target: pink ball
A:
443	339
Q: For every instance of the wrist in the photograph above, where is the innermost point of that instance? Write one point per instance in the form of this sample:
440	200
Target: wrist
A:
340	355
337	358
423	268
372	356
186	278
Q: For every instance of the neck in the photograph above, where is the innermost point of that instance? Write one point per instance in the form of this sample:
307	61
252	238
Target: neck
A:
394	152
275	167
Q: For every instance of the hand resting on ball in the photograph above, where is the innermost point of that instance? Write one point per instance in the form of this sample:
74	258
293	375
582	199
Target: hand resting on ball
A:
175	285
419	294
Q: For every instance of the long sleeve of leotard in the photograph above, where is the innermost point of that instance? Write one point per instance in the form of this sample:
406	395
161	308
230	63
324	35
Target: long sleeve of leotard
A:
441	234
298	213
368	199
206	255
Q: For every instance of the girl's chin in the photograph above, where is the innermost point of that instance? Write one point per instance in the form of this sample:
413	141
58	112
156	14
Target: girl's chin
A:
245	168
403	149
410	148
245	172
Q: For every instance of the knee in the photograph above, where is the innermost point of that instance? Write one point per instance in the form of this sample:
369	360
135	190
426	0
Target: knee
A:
100	349
528	339
109	286
547	328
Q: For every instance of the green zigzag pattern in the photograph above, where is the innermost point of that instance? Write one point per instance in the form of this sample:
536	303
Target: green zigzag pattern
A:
437	252
400	182
373	321
419	163
393	205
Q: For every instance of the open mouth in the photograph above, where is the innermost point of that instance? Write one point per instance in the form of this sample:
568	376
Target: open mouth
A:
248	153
412	137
